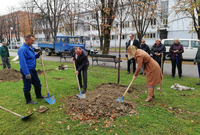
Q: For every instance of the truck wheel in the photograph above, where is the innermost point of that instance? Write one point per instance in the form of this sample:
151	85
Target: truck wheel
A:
48	52
166	56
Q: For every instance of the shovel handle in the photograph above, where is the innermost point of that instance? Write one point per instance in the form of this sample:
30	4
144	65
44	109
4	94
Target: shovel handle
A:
161	71
77	77
11	112
44	74
128	87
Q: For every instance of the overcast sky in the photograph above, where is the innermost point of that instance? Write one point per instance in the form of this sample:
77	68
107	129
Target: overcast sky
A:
7	3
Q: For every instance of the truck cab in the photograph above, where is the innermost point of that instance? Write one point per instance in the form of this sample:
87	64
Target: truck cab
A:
62	43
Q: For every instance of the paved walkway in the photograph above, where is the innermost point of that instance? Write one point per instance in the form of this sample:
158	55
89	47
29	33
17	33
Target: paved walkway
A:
188	70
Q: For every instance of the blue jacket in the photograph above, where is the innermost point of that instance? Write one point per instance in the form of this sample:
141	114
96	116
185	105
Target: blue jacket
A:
27	58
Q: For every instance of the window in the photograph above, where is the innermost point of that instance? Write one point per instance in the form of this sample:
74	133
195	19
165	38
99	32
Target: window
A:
114	36
168	42
153	21
124	36
126	24
72	40
63	40
184	43
87	27
58	40
195	44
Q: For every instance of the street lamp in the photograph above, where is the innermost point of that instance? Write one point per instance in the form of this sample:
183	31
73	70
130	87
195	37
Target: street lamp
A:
11	28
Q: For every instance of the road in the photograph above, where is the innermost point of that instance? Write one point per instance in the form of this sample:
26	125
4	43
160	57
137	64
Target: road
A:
188	70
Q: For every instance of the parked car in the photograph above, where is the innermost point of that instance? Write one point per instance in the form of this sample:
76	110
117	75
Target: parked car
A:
91	50
190	47
35	47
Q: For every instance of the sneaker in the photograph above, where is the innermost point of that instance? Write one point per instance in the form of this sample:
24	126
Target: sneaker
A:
128	72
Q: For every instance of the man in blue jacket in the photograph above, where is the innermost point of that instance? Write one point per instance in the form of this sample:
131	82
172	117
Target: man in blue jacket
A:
27	61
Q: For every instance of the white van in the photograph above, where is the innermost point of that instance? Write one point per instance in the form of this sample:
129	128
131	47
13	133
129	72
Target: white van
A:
190	47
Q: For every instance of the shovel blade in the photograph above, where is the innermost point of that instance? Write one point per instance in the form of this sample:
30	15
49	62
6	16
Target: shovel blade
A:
119	99
50	99
82	96
26	117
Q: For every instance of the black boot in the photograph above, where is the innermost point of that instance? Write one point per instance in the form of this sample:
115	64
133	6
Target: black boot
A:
28	98
198	83
38	93
84	91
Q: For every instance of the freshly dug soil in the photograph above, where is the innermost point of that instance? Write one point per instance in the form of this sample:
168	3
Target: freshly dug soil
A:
101	103
14	75
10	75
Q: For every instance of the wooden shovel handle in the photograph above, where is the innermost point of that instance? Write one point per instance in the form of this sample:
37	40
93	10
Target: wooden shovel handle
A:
44	74
128	87
10	111
161	71
76	76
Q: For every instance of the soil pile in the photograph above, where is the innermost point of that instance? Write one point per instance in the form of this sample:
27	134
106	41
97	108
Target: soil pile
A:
100	104
14	75
10	75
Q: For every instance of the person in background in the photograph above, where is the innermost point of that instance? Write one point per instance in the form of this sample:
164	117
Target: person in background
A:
134	42
27	61
197	59
4	52
157	50
153	72
144	47
176	51
82	63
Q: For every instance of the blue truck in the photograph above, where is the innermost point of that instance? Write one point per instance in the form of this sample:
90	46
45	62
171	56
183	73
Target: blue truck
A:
61	44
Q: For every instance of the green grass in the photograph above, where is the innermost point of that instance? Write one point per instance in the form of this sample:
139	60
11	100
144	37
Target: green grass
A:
154	118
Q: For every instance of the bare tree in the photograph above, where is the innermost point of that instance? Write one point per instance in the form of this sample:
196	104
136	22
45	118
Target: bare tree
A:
122	14
51	11
189	9
142	13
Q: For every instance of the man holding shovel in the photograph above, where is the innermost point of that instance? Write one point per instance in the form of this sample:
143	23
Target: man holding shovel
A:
82	63
27	61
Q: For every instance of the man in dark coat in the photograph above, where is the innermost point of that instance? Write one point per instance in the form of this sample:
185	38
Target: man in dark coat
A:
82	63
5	56
144	47
134	42
157	50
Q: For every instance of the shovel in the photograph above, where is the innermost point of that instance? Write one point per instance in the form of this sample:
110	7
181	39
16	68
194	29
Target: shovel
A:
49	99
161	71
23	117
80	95
125	92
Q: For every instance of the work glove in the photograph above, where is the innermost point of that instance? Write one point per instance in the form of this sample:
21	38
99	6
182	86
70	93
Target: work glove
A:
39	53
28	77
195	61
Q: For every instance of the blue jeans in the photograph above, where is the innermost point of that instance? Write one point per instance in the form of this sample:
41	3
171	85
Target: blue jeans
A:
34	80
5	61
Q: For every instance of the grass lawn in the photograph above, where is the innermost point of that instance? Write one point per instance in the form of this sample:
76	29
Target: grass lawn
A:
174	112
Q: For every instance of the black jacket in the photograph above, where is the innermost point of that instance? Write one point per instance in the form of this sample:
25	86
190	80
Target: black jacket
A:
159	49
135	43
145	47
81	61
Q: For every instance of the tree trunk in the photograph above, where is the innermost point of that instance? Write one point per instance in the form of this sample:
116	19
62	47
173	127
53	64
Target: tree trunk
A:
101	42
106	42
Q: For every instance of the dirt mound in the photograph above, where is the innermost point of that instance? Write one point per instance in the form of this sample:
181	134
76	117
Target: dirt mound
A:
100	104
10	75
14	75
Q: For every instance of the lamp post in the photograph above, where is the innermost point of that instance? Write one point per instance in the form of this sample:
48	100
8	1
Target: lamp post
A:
11	28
